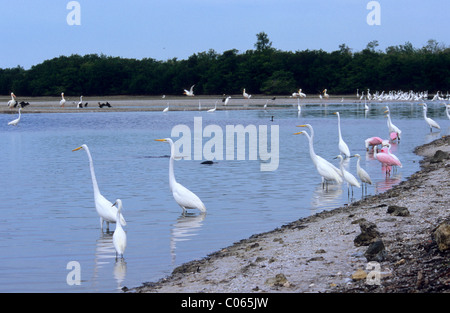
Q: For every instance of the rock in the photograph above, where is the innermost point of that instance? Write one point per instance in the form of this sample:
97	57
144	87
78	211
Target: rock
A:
369	233
376	251
439	156
279	280
442	236
396	210
360	274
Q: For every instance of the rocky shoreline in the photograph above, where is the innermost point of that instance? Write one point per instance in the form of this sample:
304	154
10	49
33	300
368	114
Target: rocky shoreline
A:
394	242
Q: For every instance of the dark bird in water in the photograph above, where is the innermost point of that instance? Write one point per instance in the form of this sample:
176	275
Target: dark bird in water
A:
272	119
273	99
208	162
101	105
22	104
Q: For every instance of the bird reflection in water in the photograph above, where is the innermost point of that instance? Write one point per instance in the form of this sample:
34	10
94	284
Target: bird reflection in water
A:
388	183
185	227
323	199
104	254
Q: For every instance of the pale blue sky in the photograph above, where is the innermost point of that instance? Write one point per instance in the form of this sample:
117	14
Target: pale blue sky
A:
36	30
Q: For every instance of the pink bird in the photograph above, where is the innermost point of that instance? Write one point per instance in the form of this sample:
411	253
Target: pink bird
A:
373	141
386	160
393	136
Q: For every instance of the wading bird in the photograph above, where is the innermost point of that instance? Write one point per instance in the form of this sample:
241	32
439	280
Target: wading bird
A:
431	123
343	148
213	109
16	121
362	174
105	209
189	93
394	131
246	95
185	198
63	101
323	167
119	236
348	177
385	159
167	108
373	141
12	102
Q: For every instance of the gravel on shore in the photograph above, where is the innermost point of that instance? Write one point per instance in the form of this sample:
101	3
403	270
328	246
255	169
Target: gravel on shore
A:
330	251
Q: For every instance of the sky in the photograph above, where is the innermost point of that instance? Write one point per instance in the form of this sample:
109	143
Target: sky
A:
32	31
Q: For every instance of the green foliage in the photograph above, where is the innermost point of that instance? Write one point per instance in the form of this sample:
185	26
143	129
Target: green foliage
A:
263	70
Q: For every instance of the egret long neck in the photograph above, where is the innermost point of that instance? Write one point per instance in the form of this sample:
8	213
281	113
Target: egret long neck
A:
312	154
339	126
94	179
172	179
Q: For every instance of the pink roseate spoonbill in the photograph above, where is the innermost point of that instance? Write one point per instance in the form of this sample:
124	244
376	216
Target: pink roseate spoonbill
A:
392	128
431	123
397	160
373	141
386	160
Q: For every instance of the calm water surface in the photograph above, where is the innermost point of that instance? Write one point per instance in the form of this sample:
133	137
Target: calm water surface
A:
48	216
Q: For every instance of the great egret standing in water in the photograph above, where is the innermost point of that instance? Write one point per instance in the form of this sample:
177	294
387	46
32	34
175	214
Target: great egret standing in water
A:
323	167
185	198
105	209
119	236
342	145
362	174
348	177
431	123
16	121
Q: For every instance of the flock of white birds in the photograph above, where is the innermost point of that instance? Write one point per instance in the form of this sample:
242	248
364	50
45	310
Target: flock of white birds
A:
186	199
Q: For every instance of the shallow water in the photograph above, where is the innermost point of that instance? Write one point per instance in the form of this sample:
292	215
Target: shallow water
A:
48	216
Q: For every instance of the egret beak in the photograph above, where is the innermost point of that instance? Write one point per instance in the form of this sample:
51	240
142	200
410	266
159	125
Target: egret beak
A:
386	111
301	125
162	140
420	103
298	133
77	149
114	204
335	113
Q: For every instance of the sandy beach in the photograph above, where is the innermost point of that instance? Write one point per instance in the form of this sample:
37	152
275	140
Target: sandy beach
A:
329	252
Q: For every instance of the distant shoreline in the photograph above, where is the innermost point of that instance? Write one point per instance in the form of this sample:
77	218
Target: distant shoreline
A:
176	103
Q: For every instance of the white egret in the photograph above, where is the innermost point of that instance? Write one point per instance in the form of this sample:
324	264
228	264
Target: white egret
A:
447	109
213	109
392	128
301	94
299	108
105	209
227	100
119	236
80	104
431	123
167	108
63	101
348	177
343	147
246	95
362	174
311	129
324	168
189	93
16	121
12	102
185	198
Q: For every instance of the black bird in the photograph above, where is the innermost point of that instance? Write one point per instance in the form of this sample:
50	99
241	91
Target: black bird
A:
22	104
